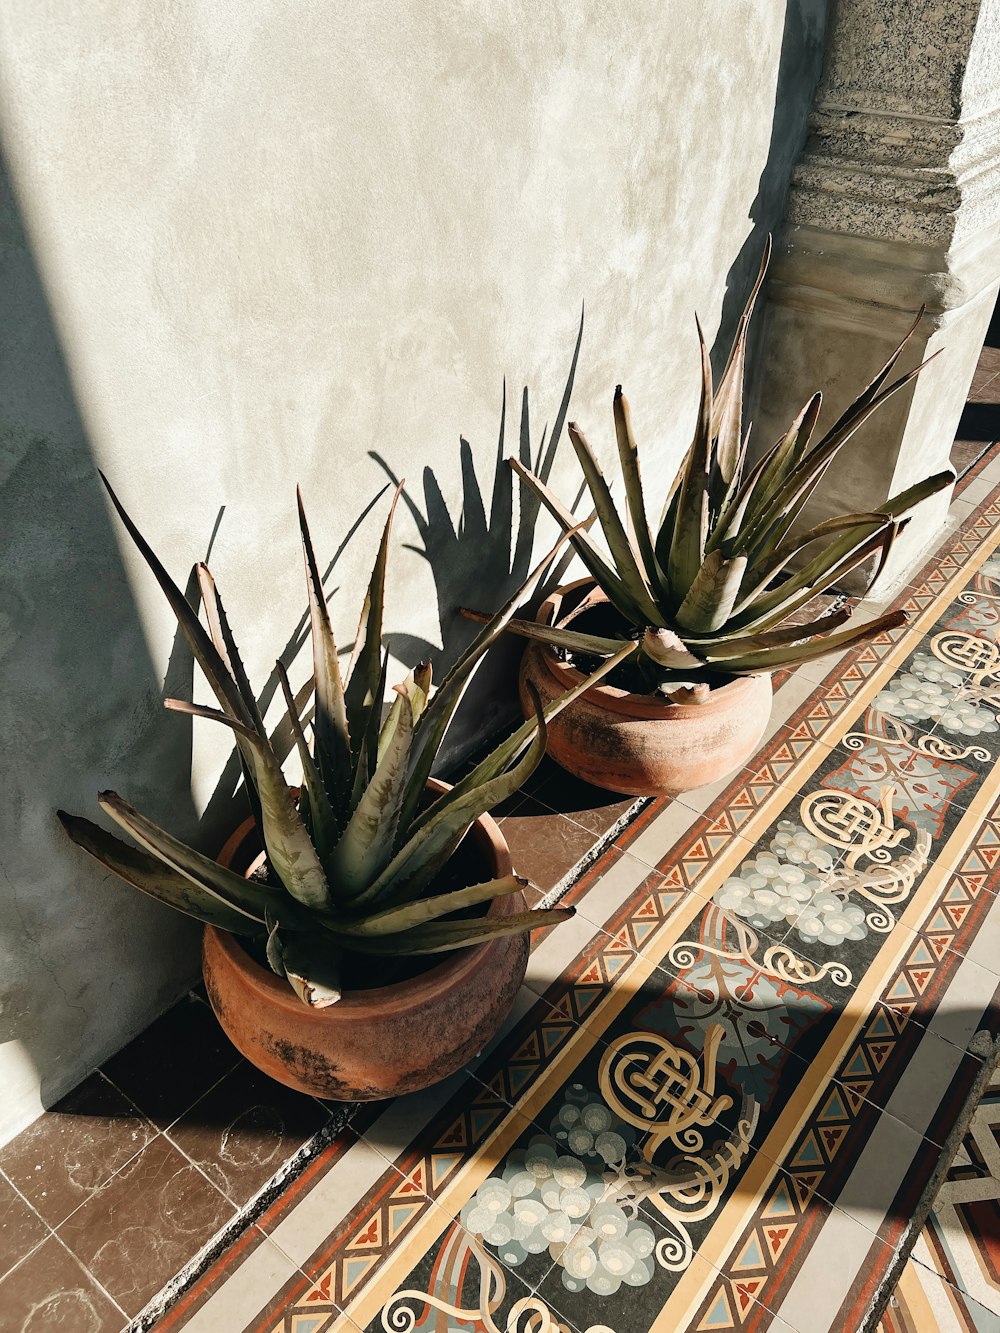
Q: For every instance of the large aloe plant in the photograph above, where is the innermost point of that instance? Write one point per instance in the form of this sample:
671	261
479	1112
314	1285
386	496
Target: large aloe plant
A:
716	586
353	858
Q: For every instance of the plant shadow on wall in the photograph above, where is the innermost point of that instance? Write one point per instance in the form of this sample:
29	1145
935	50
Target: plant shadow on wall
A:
799	66
483	558
83	703
80	694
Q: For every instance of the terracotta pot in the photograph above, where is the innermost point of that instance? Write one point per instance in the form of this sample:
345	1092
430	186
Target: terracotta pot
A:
375	1043
636	743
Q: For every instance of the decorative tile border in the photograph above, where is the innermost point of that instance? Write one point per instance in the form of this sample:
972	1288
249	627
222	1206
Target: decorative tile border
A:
415	1201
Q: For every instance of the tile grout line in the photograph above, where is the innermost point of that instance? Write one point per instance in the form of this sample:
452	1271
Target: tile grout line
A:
582	867
99	1285
28	1204
245	1217
926	621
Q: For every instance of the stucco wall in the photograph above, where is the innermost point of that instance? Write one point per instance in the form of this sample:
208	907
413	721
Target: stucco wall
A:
249	244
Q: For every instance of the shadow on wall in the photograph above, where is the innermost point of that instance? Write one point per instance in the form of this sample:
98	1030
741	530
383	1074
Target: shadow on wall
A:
799	68
481	560
85	961
80	707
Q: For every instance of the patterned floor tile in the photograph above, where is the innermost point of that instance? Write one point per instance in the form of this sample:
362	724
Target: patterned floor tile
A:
745	1054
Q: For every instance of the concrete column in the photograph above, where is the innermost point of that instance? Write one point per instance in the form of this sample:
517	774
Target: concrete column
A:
894	204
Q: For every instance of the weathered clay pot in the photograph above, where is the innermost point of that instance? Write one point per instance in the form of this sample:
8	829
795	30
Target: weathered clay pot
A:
635	743
375	1043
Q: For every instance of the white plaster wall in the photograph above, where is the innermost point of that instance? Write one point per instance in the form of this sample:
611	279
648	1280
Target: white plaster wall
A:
247	244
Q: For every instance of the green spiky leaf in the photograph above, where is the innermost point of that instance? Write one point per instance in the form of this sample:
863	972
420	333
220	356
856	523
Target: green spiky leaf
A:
158	880
441	936
333	741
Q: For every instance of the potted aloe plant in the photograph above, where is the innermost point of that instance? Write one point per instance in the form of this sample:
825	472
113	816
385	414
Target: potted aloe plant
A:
364	933
713	599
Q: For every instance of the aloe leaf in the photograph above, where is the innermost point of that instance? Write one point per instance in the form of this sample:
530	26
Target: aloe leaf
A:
607	577
159	880
418	688
733	515
312	964
322	817
767	479
222	637
252	899
290	850
869	393
429	909
361	693
250	788
366	845
727	407
273	949
849	530
575	640
440	936
897	505
198	640
281	742
282	739
690	528
441	705
718	650
770	609
713	593
667	649
628	455
808	474
333	742
508	750
241	731
627	559
366	761
718	509
425	852
668	516
772	658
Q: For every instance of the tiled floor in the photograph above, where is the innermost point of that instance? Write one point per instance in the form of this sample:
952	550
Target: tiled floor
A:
723	1098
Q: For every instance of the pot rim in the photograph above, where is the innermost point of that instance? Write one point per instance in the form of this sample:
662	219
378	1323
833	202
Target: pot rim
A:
721	697
437	981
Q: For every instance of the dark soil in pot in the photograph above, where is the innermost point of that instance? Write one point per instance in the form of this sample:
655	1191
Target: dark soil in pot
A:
638	675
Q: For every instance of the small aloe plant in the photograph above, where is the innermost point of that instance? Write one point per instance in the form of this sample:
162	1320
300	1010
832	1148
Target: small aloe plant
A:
716	586
353	857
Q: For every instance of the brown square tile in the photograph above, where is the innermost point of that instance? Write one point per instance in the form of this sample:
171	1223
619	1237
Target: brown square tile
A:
544	846
62	1159
243	1130
174	1062
592	808
989	361
21	1229
964	453
50	1293
985	387
145	1224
